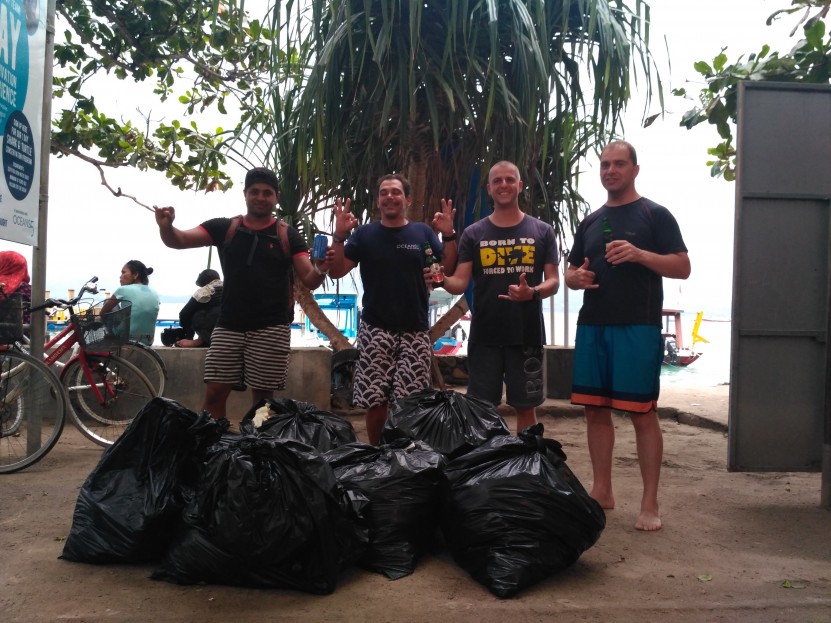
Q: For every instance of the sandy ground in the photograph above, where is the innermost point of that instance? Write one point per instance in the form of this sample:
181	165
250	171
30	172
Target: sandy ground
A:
735	547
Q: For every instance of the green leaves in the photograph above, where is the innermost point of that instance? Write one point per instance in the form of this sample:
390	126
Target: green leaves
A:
441	90
194	57
808	61
334	93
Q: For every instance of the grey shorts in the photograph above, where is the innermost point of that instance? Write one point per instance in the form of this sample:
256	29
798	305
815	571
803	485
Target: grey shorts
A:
518	367
391	365
259	359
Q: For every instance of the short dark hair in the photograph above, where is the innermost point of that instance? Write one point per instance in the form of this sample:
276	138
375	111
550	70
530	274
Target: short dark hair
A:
633	155
261	175
140	269
405	183
206	276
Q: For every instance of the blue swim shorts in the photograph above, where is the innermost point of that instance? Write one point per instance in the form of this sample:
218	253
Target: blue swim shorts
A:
617	366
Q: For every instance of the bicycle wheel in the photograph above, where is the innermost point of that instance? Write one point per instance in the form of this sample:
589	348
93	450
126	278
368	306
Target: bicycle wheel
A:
32	410
148	362
103	409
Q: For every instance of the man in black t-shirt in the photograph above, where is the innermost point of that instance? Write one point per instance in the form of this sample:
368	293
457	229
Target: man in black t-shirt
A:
512	259
618	347
394	347
252	340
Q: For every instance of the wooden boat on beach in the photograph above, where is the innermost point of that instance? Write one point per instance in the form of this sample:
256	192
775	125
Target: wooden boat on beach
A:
675	353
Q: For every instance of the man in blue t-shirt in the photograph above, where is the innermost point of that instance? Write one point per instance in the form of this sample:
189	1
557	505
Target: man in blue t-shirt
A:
392	340
620	255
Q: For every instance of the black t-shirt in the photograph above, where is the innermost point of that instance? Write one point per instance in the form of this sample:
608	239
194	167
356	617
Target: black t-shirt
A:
256	275
629	293
499	256
392	264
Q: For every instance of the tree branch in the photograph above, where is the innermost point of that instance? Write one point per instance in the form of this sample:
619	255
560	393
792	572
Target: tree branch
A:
98	164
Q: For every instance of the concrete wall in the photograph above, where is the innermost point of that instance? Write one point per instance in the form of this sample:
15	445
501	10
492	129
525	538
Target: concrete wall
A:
310	376
309	379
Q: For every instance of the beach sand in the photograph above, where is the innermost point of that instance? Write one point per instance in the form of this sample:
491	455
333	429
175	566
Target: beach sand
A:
739	547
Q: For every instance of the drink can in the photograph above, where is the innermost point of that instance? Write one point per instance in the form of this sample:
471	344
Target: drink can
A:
319	249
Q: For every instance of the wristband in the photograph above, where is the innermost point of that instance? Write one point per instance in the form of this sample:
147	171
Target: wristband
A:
336	238
449	238
322	273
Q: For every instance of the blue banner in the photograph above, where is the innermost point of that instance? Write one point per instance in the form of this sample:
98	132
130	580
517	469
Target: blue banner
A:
22	56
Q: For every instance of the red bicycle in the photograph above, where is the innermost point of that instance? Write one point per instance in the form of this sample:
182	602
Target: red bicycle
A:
104	390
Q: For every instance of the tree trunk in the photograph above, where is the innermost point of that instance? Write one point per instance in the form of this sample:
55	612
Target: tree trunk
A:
452	316
418	191
320	320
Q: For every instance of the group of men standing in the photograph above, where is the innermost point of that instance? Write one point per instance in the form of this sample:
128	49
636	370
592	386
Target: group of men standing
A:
512	260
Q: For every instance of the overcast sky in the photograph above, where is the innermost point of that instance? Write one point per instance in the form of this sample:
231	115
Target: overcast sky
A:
90	232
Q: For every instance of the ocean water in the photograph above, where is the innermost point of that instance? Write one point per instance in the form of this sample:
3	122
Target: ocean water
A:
711	369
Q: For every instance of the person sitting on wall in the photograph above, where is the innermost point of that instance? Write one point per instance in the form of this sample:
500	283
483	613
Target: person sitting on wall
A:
201	313
145	302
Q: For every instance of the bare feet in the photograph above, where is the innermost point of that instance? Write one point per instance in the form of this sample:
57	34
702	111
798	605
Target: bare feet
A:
648	521
189	343
606	500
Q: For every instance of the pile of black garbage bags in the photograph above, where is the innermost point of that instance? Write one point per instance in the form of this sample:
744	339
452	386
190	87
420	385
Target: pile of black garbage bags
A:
294	499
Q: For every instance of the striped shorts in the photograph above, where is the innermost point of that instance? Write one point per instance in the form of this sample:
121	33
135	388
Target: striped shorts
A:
391	365
259	359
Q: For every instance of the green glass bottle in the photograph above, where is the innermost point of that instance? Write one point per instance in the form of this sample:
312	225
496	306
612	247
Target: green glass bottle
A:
433	264
607	237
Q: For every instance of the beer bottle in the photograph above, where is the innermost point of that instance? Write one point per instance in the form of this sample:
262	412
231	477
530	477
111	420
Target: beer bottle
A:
607	237
433	264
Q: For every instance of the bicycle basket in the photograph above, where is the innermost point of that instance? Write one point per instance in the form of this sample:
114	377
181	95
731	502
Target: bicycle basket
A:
11	318
104	331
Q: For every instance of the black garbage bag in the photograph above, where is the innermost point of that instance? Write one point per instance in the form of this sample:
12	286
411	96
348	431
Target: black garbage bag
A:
267	513
403	483
130	503
515	513
300	421
447	421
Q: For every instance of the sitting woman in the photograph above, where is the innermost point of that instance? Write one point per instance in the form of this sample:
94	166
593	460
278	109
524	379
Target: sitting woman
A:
14	279
201	313
145	302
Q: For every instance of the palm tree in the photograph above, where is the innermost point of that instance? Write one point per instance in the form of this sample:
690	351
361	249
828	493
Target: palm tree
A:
441	89
333	94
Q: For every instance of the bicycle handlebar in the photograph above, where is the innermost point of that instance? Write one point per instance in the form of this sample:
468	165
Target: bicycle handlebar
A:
88	287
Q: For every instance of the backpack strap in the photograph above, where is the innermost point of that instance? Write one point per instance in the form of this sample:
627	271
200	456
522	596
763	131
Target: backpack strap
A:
232	228
283	235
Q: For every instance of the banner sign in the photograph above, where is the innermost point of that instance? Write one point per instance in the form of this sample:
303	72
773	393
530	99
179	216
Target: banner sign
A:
22	56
